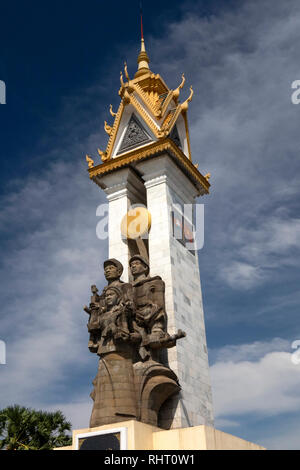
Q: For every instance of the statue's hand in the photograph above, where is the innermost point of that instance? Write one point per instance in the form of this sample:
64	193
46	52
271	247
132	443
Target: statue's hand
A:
128	307
135	337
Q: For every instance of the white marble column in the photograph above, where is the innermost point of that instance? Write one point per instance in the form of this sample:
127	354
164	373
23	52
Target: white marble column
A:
166	184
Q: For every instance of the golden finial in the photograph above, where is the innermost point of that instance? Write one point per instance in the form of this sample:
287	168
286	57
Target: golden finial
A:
126	71
103	155
185	105
111	111
176	93
121	79
143	61
208	176
90	161
107	128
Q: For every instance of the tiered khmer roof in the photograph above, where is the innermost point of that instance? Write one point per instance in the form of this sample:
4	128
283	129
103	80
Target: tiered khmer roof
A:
149	121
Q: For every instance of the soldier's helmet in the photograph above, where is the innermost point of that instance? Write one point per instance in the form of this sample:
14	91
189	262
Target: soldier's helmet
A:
142	259
115	263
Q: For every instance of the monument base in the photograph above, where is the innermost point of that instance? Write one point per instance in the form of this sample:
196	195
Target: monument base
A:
134	435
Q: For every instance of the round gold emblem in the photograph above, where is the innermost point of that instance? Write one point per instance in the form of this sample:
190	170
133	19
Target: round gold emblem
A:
136	223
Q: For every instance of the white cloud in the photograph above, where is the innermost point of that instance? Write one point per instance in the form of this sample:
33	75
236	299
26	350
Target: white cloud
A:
248	352
241	275
267	385
51	258
270	244
244	130
46	279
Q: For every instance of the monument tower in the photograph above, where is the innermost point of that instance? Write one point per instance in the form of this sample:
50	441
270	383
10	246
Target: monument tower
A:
148	163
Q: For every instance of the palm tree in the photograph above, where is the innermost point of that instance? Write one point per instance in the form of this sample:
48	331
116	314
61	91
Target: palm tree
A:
26	429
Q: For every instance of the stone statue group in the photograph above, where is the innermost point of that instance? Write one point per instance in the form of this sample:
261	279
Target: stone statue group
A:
128	330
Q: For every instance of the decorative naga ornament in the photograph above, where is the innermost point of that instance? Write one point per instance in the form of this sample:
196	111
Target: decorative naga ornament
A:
90	161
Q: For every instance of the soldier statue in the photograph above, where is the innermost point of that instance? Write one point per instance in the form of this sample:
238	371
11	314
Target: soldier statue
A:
128	329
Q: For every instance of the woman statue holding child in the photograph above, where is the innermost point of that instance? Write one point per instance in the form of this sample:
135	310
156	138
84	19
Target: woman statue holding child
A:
114	392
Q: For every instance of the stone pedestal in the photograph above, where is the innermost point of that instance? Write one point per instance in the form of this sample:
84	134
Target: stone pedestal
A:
133	435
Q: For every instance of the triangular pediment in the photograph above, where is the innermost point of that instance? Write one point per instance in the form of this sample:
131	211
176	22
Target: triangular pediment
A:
135	135
148	112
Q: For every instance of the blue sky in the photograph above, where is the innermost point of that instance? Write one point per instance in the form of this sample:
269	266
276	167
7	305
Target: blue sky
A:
61	66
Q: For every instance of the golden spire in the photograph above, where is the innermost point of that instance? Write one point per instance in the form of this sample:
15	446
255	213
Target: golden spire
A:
143	59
